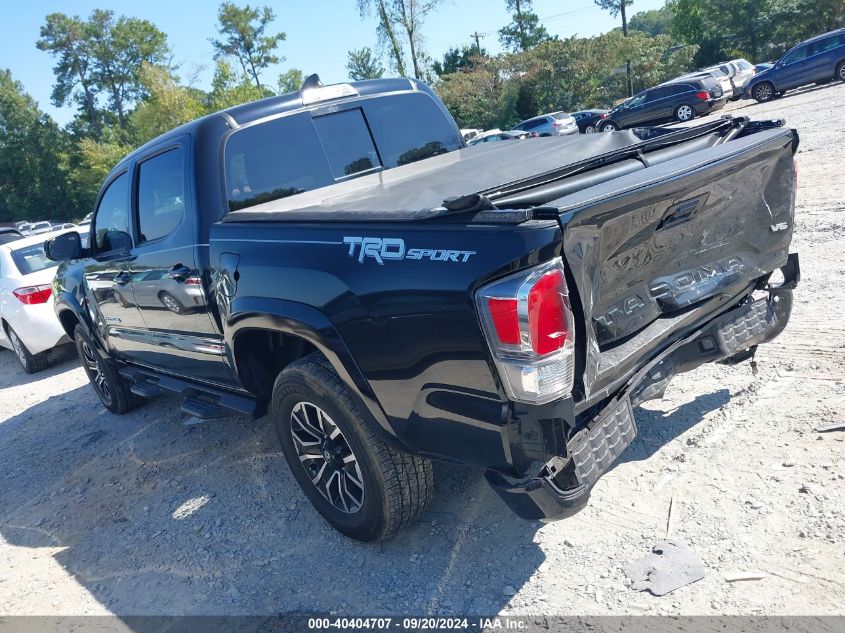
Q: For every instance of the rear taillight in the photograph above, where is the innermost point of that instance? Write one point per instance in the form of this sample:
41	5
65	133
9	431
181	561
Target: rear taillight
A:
704	96
193	281
31	295
603	115
556	124
528	324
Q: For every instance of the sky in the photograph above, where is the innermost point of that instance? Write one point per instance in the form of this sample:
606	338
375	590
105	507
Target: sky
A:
319	33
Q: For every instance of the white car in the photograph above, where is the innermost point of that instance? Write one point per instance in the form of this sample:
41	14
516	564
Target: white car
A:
30	327
38	228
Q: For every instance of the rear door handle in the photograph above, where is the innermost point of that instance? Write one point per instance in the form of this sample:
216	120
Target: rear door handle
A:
179	272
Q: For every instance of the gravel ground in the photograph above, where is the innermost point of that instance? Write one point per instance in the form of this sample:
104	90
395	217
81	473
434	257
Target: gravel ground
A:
142	515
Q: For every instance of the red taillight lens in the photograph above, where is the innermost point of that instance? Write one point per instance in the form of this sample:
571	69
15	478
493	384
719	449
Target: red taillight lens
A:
602	116
193	281
503	312
547	313
31	295
528	324
704	96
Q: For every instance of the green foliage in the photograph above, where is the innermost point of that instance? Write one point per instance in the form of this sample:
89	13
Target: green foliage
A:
290	80
242	31
758	30
456	59
570	74
167	106
363	64
33	173
101	57
230	89
525	30
654	22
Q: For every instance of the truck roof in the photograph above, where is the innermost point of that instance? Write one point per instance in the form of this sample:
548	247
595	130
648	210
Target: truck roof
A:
240	115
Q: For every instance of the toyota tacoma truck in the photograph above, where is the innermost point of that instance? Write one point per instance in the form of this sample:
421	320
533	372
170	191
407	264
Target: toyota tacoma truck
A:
338	259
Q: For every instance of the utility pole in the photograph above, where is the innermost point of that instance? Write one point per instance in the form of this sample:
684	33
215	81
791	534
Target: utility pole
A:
477	37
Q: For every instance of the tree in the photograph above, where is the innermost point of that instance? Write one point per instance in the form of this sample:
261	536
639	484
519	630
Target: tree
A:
120	48
456	59
33	178
290	80
386	33
230	89
401	16
654	22
243	32
68	39
363	64
525	31
617	7
167	106
101	56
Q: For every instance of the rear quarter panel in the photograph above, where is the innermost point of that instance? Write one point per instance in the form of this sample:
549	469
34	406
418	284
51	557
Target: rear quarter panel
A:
409	324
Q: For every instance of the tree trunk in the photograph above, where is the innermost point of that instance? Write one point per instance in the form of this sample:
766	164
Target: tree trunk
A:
414	55
391	37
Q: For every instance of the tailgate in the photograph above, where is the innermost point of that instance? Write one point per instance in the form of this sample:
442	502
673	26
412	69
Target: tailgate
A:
660	250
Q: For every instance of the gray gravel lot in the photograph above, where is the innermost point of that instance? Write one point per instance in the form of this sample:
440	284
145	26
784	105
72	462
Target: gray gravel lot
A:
142	515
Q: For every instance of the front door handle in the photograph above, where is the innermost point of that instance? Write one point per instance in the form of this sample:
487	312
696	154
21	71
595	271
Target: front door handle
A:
121	278
179	272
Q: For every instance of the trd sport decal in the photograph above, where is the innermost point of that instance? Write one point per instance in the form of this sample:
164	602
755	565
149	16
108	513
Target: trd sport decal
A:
392	248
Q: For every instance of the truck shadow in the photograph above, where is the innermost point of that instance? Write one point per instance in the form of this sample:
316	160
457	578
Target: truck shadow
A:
153	517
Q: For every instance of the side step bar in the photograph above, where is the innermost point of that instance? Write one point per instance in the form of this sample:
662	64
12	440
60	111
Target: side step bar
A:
205	403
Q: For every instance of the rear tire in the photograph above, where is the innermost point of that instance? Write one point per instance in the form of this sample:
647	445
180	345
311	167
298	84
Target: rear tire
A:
610	126
763	92
590	129
314	414
684	112
30	363
111	388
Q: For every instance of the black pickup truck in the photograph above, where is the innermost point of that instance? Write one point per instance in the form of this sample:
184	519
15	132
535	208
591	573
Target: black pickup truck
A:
338	259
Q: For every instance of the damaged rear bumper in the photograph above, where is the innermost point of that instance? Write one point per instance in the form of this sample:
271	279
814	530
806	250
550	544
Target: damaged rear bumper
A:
563	485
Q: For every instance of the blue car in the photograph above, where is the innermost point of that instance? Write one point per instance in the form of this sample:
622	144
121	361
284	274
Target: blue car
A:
817	60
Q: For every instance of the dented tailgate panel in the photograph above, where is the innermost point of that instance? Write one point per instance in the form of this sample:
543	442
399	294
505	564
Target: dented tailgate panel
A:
662	241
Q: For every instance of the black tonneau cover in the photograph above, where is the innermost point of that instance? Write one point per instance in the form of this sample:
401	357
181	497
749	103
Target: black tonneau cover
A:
417	191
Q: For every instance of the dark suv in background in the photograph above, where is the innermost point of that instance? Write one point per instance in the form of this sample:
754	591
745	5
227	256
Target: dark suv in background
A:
817	60
681	101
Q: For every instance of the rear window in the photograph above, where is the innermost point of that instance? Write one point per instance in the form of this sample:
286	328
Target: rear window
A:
31	259
301	152
560	115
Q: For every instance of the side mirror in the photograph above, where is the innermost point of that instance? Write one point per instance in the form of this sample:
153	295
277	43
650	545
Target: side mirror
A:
64	247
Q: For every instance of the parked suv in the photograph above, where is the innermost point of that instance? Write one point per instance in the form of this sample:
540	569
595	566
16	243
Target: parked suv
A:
817	60
552	124
681	101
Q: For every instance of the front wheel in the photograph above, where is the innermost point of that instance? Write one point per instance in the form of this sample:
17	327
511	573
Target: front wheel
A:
30	363
610	126
170	302
840	71
111	388
763	92
364	488
684	112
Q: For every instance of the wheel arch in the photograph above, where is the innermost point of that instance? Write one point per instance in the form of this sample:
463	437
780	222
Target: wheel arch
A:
297	329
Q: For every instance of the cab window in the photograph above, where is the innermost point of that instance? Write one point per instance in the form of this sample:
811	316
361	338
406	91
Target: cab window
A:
111	221
161	195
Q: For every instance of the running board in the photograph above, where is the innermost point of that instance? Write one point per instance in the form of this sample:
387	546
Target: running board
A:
205	403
